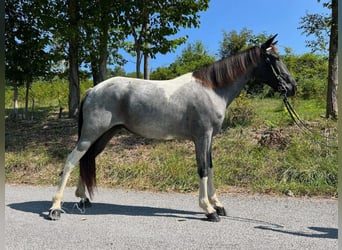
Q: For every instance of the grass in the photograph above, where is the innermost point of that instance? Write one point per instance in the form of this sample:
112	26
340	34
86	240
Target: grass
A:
267	154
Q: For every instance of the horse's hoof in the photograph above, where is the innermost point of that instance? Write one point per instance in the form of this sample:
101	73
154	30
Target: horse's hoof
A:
220	211
213	217
54	214
84	203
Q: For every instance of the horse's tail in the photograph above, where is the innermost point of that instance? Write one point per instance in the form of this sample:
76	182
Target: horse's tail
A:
87	162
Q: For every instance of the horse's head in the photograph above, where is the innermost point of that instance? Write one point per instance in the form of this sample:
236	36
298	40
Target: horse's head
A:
272	71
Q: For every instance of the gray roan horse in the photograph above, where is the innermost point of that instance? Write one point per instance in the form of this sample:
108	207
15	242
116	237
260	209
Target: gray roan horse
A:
191	106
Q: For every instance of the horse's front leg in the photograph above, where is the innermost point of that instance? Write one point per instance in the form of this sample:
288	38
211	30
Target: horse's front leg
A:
202	147
212	194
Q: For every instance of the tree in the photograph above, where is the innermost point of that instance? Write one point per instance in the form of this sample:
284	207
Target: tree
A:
26	57
73	56
193	57
234	42
102	36
325	28
151	23
62	19
332	106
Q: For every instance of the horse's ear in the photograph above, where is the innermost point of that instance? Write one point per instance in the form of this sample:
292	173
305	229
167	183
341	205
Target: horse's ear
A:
268	43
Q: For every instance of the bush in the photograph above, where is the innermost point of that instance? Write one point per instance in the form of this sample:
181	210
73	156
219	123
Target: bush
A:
240	113
311	73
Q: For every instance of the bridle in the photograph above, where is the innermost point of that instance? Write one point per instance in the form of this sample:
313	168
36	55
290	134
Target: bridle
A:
283	91
293	114
281	82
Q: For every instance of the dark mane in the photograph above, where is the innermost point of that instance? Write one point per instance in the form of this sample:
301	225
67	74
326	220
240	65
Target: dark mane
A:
227	70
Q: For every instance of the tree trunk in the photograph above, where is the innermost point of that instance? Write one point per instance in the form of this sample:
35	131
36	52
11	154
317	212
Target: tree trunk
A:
26	100
74	89
103	66
15	101
138	63
99	68
74	86
332	108
94	70
103	46
146	67
147	46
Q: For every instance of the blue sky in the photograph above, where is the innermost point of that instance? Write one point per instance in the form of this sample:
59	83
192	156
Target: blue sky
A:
281	16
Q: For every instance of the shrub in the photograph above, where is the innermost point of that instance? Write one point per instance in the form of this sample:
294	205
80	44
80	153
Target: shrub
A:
240	113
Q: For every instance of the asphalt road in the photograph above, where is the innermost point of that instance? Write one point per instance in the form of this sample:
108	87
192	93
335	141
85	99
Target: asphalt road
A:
122	219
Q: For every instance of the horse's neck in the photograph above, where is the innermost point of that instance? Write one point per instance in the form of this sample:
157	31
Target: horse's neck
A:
231	91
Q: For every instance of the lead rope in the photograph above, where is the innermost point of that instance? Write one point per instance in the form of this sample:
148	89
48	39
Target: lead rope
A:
294	116
300	123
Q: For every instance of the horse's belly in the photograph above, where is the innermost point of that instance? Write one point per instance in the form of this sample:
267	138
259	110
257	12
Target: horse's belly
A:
160	129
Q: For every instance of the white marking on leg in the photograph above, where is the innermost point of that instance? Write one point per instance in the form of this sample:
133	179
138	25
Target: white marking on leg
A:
70	163
203	196
211	189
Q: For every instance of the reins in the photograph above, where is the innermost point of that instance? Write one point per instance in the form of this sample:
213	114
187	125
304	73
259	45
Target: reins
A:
293	114
303	127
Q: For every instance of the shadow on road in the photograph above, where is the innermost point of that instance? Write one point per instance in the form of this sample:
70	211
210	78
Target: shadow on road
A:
41	208
320	232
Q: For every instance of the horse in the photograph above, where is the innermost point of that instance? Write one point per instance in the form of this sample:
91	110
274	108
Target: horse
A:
191	107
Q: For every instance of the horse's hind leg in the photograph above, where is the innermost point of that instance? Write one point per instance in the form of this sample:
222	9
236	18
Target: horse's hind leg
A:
80	192
73	158
96	148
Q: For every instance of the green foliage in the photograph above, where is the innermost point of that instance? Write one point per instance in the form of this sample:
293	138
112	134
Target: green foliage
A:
45	94
311	73
193	57
234	42
240	113
25	44
318	26
153	23
162	73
